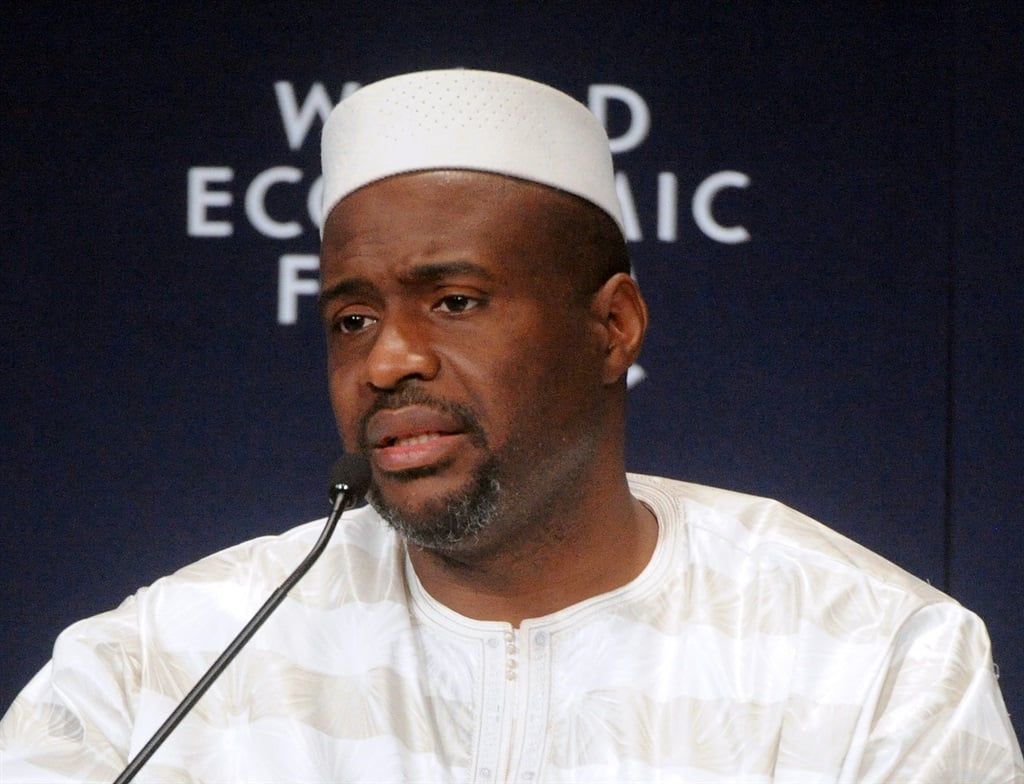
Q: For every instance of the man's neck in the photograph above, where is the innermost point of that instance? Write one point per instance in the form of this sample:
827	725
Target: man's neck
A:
556	565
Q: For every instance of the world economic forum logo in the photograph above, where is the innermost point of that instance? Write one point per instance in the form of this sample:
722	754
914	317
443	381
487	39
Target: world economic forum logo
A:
282	202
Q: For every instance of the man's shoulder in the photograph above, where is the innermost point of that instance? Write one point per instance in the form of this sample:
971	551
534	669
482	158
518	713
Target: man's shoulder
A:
209	599
362	545
764	534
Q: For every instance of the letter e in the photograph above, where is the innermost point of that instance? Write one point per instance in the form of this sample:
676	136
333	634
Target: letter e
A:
199	199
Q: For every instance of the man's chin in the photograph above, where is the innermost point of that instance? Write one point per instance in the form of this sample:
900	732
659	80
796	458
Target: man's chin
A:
436	516
407	475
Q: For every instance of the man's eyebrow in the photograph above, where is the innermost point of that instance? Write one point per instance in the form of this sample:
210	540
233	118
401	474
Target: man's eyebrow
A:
416	275
438	271
348	287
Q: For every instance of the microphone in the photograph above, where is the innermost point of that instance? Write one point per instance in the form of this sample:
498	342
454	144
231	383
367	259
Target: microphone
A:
349	481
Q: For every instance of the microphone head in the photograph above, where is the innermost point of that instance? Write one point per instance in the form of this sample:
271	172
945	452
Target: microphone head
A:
349	474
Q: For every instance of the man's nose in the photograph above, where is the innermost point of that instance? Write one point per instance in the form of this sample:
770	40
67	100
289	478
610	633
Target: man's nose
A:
402	350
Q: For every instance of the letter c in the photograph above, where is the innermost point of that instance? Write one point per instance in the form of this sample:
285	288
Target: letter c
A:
705	195
256	210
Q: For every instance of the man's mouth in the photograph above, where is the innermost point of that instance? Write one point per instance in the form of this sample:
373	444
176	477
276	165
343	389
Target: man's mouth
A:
413	437
420	438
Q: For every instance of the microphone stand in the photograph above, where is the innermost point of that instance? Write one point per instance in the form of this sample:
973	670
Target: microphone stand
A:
340	492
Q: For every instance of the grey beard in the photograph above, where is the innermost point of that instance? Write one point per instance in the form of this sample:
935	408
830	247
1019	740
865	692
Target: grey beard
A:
450	521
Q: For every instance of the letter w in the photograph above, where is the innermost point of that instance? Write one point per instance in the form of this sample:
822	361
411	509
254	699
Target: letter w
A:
297	122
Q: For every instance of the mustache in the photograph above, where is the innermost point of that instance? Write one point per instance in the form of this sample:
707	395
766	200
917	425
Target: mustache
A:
415	396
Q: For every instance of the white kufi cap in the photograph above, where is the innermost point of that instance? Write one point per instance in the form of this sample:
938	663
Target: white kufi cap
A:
462	119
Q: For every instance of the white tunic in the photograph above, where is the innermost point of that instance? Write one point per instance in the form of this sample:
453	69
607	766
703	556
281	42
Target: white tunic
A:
756	646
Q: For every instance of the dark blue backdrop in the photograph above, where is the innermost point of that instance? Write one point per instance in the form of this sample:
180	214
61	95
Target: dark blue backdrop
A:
858	357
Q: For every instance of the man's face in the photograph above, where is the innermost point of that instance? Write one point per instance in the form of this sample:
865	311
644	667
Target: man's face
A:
463	361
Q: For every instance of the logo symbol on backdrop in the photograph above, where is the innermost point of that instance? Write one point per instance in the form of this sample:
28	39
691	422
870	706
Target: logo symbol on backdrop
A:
282	202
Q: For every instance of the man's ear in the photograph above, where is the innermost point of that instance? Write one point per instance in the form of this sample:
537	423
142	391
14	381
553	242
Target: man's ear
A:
621	311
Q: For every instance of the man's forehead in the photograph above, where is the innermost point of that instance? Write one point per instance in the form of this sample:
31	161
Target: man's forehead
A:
421	227
484	199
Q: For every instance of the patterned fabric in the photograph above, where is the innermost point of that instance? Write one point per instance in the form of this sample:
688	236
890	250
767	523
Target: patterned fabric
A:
757	646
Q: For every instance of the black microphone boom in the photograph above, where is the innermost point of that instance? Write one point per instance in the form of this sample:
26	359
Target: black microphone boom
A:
349	480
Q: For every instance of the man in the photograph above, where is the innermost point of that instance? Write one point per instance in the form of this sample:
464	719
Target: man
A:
513	606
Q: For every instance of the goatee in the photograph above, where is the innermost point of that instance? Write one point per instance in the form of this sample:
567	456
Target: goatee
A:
447	522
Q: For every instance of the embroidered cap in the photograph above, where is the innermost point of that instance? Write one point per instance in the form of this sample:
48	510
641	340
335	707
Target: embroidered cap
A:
464	119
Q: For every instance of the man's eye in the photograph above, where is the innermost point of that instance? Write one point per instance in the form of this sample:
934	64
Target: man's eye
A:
353	322
457	303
